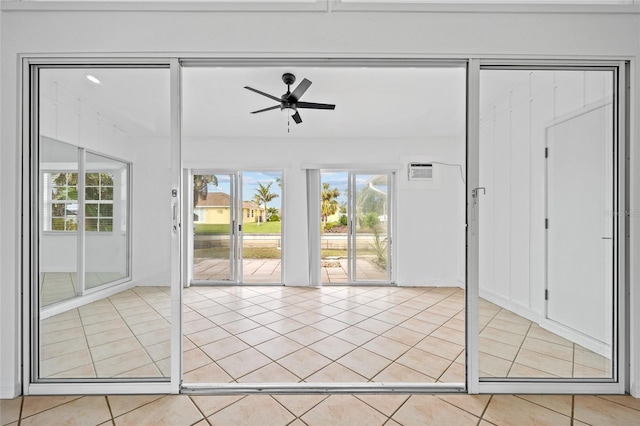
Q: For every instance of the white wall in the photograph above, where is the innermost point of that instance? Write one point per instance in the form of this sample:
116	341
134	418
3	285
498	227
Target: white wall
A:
153	34
151	211
514	120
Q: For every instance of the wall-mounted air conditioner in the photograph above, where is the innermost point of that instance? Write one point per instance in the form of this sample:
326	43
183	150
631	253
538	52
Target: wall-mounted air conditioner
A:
420	171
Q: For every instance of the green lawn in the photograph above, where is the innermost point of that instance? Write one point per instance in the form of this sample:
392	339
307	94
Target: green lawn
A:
247	228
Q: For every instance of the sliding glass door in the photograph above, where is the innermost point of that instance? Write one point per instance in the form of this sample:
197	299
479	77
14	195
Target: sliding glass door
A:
236	227
356	223
549	232
370	227
101	303
214	227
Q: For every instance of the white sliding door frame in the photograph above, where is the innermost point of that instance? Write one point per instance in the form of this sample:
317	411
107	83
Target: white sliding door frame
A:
618	384
32	384
178	239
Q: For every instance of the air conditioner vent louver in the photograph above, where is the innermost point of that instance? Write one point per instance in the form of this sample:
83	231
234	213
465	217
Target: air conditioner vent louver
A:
420	171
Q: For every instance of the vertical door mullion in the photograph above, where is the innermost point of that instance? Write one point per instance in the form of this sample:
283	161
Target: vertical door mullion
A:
314	220
81	255
176	252
389	218
472	220
188	235
237	202
351	238
33	210
621	336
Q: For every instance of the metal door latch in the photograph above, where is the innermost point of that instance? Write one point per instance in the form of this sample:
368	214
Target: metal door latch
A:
476	191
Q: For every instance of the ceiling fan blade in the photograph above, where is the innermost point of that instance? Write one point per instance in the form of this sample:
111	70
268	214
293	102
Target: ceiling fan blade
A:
313	105
265	109
262	93
296	117
299	91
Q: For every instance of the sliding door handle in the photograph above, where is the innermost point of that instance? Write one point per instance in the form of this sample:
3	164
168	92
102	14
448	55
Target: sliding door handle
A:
175	218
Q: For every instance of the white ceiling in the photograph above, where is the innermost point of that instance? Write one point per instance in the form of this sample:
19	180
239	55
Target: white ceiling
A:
370	102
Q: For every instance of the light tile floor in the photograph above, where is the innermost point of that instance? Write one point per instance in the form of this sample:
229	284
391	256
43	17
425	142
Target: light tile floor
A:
301	334
312	410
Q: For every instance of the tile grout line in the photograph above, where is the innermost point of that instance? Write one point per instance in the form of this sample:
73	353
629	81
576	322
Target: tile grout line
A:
455	406
390	417
305	412
21	410
200	411
51	408
387	416
486	407
113	421
548	408
519	347
144	348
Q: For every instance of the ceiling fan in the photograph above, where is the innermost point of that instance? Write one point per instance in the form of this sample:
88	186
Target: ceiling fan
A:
291	100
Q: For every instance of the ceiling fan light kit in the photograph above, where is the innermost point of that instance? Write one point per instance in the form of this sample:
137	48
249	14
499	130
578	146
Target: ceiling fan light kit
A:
291	100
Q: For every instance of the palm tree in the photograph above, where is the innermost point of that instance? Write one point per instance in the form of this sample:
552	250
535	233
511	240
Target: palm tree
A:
201	187
263	195
329	204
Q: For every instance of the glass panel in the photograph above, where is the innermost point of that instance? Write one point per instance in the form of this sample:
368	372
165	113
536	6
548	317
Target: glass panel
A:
213	215
88	117
334	237
546	224
107	249
58	250
371	224
261	227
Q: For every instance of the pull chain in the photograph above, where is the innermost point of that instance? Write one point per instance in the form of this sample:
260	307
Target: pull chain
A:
288	112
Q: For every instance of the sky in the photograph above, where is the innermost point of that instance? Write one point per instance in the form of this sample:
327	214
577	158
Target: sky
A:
250	182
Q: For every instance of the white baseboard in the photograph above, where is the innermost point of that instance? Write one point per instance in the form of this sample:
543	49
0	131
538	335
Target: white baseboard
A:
516	308
77	302
10	390
635	389
153	279
581	339
148	280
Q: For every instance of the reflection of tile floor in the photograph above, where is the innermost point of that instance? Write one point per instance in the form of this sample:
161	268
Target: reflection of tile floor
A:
295	334
58	286
351	410
125	335
512	346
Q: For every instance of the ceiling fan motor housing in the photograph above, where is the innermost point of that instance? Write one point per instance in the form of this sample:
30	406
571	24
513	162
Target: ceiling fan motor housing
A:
288	78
